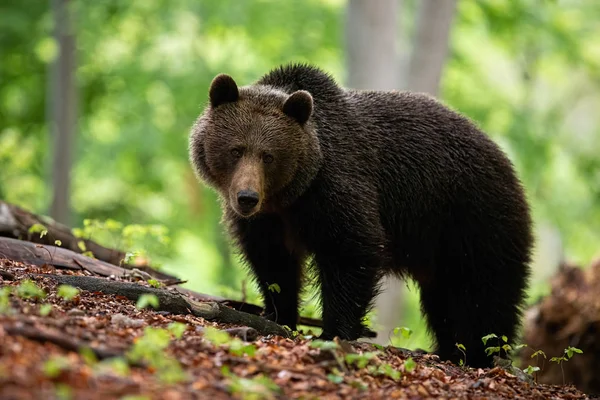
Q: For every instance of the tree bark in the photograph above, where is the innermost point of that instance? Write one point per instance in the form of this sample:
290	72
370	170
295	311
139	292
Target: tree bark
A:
430	46
371	41
62	111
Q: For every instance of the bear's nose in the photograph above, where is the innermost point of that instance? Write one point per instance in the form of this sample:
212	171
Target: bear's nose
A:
247	199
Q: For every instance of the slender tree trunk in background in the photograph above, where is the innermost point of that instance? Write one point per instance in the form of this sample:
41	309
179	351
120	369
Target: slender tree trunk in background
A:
373	63
62	110
430	46
371	40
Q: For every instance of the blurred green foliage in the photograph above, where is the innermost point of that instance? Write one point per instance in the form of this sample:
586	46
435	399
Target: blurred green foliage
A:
527	71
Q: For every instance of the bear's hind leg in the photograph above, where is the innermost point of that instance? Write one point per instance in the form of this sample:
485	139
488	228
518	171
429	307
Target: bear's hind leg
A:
464	303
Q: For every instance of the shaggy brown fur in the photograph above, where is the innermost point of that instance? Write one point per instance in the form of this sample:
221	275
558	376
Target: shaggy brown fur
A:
368	183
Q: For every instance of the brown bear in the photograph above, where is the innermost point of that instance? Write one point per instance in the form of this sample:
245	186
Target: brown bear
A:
366	183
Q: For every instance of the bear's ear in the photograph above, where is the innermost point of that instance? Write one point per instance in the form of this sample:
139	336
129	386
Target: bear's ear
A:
223	89
299	106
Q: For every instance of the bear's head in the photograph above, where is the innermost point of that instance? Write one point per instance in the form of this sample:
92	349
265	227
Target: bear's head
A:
256	145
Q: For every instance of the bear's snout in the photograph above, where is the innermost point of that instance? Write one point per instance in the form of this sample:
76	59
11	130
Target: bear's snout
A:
247	200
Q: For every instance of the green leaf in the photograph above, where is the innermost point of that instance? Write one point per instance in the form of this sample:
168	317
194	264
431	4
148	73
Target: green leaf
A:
389	371
488	337
57	243
55	365
146	300
81	245
504	338
492	350
216	336
88	355
361	360
154	283
239	348
177	329
460	346
403	331
570	350
29	290
324	344
274	287
410	365
45	309
88	254
67	292
530	370
539	353
5	299
116	365
337	379
38	228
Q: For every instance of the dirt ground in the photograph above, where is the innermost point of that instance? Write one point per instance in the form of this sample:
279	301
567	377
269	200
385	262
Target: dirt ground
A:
45	342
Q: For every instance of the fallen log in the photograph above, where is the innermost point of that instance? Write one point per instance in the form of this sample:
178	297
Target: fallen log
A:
175	303
15	223
59	257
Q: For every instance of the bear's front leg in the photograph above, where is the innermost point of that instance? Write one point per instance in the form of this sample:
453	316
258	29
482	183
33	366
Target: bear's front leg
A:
349	278
277	271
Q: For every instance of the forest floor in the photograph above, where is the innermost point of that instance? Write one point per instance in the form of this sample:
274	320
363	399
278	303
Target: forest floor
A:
140	353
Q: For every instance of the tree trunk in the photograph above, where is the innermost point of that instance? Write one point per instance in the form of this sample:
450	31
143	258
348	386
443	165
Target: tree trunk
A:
371	41
430	46
62	110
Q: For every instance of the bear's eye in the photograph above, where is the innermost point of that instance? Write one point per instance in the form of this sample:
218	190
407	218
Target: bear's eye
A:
267	159
237	153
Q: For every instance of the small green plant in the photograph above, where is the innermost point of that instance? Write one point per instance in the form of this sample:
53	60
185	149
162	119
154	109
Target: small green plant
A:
463	361
274	287
67	292
45	310
27	289
132	238
5	299
234	345
150	348
58	243
38	228
409	365
498	349
359	384
259	387
63	391
146	300
177	329
115	365
403	331
324	344
55	365
568	353
154	283
530	370
335	378
361	360
384	369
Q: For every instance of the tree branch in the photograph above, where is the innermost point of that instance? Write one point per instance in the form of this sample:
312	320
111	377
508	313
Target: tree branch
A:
174	303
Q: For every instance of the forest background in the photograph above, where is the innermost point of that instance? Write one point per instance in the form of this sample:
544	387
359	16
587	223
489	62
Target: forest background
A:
97	99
